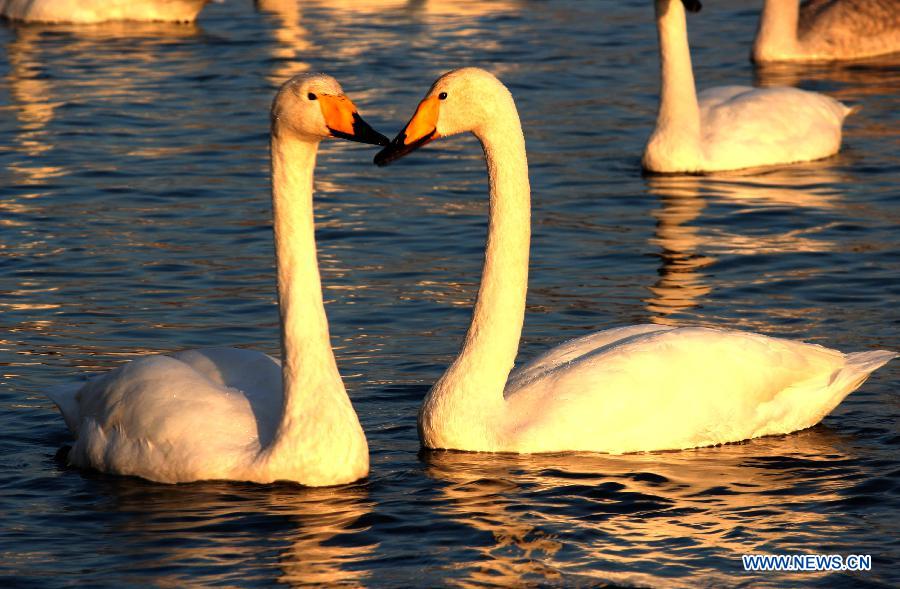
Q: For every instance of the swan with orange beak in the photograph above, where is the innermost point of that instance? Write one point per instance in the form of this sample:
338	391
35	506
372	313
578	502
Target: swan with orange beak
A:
636	388
293	111
237	414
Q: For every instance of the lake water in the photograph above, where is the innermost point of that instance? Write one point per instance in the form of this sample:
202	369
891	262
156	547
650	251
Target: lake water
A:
135	219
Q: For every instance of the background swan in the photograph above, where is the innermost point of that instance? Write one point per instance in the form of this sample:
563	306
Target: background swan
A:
638	388
220	413
731	127
826	30
95	11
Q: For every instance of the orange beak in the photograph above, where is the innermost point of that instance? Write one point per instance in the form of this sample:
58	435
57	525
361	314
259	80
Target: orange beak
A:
344	121
420	130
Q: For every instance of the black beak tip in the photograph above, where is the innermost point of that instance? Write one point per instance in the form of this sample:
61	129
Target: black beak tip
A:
393	150
363	133
373	137
692	5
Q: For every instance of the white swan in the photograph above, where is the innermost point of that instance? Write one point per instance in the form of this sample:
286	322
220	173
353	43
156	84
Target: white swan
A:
220	413
731	127
638	388
826	30
96	11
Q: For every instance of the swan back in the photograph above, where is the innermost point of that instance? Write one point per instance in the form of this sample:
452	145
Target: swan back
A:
744	127
681	388
142	419
96	11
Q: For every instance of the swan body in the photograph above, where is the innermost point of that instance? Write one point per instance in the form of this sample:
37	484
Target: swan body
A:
638	388
731	127
96	11
238	414
826	30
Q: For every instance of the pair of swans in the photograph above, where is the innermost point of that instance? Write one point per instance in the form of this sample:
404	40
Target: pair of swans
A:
97	11
238	414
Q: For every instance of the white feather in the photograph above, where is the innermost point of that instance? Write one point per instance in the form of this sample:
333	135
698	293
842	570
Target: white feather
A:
731	127
96	11
630	389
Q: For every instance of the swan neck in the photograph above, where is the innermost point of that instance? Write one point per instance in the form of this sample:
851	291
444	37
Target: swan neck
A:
471	390
776	35
500	304
308	365
679	112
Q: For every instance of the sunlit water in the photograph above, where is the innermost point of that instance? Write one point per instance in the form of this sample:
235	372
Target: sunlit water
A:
135	218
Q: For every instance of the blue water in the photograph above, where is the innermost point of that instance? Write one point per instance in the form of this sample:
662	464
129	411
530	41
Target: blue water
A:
135	219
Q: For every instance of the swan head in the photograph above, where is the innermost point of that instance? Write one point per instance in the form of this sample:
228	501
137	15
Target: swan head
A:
314	107
462	100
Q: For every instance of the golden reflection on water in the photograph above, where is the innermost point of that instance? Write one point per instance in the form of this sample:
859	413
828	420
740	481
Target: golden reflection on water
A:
480	492
651	503
292	44
34	108
876	76
687	253
681	282
457	8
208	522
295	42
36	97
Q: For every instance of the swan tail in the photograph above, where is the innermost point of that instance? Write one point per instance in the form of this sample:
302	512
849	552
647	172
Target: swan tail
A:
851	110
858	367
66	399
807	403
861	364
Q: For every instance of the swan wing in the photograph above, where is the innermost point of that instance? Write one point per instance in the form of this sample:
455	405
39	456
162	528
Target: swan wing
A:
256	375
570	351
683	388
174	419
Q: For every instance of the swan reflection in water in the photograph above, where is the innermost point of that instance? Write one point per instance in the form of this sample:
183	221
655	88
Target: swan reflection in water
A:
186	533
338	37
616	517
688	252
52	66
94	70
292	46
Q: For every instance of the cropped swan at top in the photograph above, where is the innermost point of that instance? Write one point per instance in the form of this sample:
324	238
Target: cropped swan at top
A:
96	11
220	413
731	127
826	30
638	388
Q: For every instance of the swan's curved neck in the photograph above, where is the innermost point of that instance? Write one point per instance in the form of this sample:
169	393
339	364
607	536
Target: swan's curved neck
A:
777	33
678	121
309	370
472	387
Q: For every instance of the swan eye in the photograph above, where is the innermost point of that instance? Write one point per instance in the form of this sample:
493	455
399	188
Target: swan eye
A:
442	96
311	96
